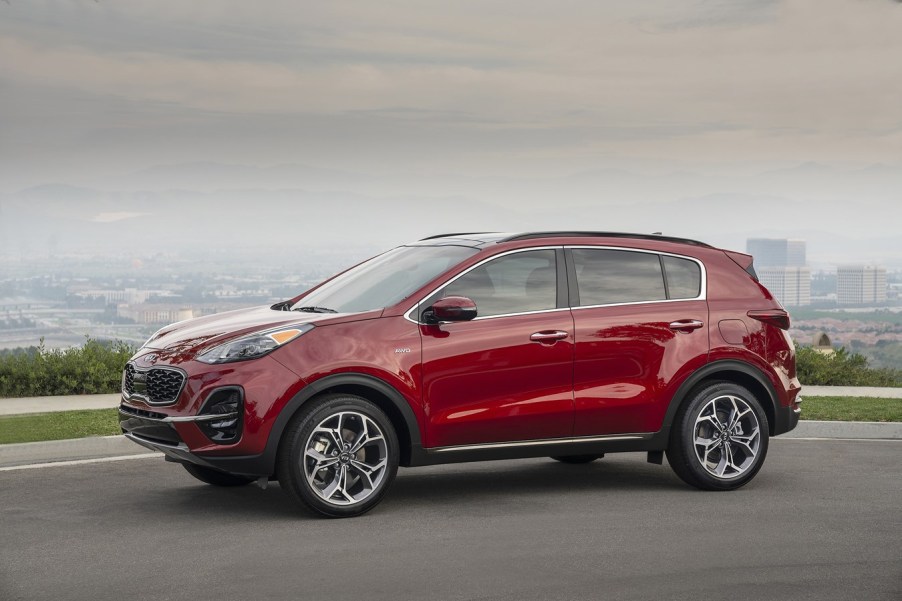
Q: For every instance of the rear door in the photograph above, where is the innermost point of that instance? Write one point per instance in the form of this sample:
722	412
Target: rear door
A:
508	374
641	327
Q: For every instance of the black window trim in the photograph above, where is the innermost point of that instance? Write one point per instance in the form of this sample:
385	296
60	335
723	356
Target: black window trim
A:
574	286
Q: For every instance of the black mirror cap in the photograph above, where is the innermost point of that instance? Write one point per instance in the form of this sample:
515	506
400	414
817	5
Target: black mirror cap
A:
451	308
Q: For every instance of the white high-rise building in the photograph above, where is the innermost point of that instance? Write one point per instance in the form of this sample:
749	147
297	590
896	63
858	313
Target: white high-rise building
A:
860	284
791	285
777	252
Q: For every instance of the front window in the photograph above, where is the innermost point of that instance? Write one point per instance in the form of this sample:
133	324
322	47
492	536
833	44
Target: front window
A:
384	280
517	283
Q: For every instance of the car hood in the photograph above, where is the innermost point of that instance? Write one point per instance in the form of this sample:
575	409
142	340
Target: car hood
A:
195	335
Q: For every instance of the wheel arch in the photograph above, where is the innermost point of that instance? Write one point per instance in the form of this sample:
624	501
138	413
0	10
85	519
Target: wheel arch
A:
379	392
736	372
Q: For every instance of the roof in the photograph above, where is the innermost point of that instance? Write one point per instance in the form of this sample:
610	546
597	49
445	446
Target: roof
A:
478	239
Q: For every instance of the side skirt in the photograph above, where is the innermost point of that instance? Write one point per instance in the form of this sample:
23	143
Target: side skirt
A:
591	445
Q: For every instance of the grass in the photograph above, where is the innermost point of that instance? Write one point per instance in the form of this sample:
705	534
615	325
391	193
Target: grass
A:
104	422
58	426
851	409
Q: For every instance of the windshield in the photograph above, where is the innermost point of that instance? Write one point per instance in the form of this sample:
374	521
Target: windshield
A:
383	280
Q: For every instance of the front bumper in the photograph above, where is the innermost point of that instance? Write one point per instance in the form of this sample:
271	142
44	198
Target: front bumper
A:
158	432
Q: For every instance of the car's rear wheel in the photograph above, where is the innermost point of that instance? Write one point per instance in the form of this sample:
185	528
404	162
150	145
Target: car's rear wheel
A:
216	477
338	456
577	458
719	438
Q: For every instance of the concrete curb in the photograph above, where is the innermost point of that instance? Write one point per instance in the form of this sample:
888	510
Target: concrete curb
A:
52	404
857	430
865	391
52	451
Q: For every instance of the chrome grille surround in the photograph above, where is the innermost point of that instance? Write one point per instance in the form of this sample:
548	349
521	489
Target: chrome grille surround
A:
158	385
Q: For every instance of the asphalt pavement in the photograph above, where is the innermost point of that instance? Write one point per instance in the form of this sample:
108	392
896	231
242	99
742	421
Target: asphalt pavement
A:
821	521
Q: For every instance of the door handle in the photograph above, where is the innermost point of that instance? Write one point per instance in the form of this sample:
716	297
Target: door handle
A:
548	336
686	325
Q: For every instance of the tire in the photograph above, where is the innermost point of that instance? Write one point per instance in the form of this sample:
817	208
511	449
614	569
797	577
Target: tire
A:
576	459
715	455
318	466
216	477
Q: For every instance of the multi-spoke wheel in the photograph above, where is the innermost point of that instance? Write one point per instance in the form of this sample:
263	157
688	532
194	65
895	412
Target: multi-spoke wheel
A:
338	456
719	439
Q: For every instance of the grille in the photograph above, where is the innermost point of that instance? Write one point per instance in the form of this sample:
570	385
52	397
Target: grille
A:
157	385
141	412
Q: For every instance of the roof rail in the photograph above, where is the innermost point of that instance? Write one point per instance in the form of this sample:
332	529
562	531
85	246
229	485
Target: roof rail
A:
454	235
533	235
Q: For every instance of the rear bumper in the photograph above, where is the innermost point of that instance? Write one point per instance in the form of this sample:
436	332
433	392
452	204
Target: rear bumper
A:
787	418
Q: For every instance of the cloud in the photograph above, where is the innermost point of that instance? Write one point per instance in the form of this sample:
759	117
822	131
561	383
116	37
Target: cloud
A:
116	216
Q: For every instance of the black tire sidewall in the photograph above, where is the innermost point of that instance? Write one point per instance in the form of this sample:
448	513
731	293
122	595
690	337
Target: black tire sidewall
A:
290	472
681	453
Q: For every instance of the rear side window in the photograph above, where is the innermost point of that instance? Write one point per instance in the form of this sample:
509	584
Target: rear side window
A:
684	277
617	276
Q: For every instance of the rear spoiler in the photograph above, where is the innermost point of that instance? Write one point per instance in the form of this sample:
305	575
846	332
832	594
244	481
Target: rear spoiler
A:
746	262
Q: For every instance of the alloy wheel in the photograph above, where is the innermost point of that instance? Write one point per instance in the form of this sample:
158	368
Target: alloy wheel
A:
727	437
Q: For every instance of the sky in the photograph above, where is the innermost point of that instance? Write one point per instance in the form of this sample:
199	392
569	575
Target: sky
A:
714	119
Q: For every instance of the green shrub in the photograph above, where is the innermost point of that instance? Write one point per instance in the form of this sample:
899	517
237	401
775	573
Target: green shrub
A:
841	368
94	368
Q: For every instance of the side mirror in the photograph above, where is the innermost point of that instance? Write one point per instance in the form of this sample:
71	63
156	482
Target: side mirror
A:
451	308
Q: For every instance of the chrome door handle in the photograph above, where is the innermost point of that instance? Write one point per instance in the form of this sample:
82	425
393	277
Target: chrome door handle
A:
548	336
686	325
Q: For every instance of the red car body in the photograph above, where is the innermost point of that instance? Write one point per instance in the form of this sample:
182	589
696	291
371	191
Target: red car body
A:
574	378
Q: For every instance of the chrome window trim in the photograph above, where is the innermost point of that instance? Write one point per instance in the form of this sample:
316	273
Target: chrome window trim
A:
416	307
703	286
146	399
540	442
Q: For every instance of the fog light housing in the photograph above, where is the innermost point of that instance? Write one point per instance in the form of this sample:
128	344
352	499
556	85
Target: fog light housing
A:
229	403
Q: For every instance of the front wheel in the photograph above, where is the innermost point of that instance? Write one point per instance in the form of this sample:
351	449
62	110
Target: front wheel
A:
338	456
719	438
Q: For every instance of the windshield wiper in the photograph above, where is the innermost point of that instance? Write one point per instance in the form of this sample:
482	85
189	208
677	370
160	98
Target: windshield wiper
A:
315	310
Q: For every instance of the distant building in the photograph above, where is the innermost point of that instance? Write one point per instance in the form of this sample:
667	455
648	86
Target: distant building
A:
791	285
860	284
777	252
780	264
822	344
154	313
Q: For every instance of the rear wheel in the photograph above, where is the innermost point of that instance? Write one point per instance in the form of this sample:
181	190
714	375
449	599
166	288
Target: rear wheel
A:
719	438
338	456
216	477
577	458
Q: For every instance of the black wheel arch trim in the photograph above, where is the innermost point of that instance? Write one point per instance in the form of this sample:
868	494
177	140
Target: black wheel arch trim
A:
780	423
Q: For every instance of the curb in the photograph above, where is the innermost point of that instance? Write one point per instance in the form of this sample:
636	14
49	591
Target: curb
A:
852	430
89	450
77	449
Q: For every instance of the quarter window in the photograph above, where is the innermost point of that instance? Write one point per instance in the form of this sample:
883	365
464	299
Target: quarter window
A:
515	283
617	276
684	278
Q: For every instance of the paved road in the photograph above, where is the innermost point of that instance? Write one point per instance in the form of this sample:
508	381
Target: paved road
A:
823	520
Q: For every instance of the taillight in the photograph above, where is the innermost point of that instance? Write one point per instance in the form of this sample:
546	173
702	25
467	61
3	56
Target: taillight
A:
773	317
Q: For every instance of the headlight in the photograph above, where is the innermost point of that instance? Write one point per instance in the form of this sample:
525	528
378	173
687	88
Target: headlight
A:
253	346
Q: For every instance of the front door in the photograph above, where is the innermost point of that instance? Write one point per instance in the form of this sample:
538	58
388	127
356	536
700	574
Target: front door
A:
508	374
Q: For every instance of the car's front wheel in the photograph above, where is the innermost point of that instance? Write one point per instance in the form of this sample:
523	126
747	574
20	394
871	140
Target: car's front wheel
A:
338	456
719	438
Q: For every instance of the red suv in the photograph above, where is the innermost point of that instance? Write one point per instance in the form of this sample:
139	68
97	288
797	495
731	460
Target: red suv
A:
468	347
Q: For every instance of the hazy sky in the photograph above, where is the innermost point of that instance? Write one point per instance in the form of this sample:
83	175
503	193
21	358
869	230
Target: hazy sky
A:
91	92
